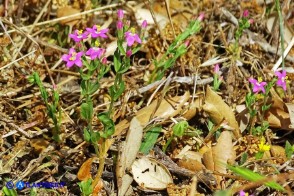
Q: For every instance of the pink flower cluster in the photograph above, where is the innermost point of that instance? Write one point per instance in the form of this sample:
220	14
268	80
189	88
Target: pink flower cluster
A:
259	85
130	36
75	58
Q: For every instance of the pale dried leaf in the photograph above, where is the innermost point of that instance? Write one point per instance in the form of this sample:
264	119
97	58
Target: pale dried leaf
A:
223	152
142	14
218	110
67	11
165	110
128	155
192	160
150	174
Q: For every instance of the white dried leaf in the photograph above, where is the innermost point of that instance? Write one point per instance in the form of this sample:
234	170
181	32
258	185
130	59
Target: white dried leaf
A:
150	174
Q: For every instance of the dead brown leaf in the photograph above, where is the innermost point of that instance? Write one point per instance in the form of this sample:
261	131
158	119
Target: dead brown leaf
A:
130	148
167	108
218	110
67	11
84	172
223	152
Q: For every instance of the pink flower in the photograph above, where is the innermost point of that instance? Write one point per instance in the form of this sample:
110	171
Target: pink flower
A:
78	35
132	37
144	24
73	58
246	13
187	43
119	25
129	53
251	21
95	52
96	31
257	86
281	79
104	61
120	14
216	69
201	16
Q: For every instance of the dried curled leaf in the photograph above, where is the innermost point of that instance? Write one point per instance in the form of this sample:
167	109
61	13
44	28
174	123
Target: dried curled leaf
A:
218	110
128	155
67	11
223	152
166	109
150	174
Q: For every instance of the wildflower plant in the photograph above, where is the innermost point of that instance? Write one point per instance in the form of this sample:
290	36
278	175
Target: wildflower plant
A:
96	64
175	50
257	100
217	78
262	148
244	23
52	106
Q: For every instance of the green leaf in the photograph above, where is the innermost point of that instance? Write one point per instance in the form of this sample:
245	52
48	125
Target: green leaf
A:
87	135
289	150
95	137
180	128
265	107
86	76
9	192
87	111
150	139
254	177
222	193
117	61
244	157
259	155
108	124
93	87
85	187
115	92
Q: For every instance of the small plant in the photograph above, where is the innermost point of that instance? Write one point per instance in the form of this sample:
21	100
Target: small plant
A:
289	150
244	23
175	50
179	130
262	148
257	100
97	66
217	78
52	105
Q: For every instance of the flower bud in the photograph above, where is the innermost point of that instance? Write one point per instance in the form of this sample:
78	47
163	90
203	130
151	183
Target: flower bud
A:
120	14
144	24
104	61
187	43
129	53
245	13
201	16
216	69
119	25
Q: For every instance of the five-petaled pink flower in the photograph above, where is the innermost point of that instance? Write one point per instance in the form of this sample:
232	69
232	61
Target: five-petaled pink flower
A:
132	37
281	79
73	58
95	52
257	86
78	35
96	31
